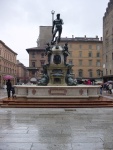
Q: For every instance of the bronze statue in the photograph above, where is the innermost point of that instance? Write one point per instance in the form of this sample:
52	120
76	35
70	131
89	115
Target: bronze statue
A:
48	52
65	52
57	27
44	80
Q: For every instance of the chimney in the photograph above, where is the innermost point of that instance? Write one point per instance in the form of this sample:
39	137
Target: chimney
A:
85	36
96	36
101	39
72	36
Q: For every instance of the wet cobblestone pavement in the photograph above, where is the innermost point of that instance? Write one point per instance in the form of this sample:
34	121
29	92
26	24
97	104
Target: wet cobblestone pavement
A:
56	129
3	93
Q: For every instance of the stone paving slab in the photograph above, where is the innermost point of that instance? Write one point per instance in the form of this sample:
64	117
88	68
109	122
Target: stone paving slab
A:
3	94
56	129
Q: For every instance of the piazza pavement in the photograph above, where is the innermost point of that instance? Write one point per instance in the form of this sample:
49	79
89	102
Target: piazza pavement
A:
56	129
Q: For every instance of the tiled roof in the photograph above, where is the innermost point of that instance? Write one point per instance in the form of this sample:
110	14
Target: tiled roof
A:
80	39
7	47
35	49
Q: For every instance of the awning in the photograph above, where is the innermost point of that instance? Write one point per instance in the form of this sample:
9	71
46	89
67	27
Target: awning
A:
33	79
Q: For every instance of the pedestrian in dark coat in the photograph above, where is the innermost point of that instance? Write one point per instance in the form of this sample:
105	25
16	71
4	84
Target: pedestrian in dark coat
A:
9	87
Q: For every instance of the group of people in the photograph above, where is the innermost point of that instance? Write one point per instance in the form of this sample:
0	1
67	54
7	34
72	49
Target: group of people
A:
10	89
88	82
108	87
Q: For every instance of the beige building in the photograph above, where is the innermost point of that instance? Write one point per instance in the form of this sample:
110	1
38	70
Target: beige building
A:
22	73
7	63
108	42
86	56
37	56
37	59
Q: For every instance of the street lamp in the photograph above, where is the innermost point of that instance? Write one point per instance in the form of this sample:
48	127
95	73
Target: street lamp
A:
52	12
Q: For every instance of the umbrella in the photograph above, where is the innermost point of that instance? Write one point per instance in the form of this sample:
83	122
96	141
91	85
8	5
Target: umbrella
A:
6	77
110	81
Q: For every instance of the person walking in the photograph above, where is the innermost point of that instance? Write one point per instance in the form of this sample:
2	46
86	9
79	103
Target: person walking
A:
101	88
110	88
107	88
9	87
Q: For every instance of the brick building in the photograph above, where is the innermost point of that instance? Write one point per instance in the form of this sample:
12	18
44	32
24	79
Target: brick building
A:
7	63
22	73
108	42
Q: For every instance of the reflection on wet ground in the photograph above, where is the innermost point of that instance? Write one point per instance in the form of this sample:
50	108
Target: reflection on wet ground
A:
56	129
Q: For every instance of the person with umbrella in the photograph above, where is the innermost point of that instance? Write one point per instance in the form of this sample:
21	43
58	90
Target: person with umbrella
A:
9	87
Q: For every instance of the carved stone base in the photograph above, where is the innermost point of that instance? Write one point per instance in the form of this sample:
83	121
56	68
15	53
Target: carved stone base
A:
56	92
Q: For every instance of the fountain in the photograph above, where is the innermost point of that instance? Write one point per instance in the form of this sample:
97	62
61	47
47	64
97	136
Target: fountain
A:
57	82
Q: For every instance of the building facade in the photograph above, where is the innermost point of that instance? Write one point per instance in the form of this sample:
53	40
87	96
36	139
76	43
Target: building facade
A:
108	43
86	56
7	63
37	59
22	73
37	56
45	35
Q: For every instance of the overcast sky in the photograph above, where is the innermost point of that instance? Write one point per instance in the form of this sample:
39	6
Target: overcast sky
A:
20	21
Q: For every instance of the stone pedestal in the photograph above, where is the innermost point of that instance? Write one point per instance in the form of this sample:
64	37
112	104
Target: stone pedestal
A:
57	70
56	92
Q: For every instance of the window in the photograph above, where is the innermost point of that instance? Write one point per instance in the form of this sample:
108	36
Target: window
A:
33	64
33	72
41	71
98	63
98	54
107	33
80	46
42	55
90	73
90	62
33	55
90	54
80	73
70	62
98	73
90	46
107	42
42	62
98	47
70	46
70	54
80	53
80	62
